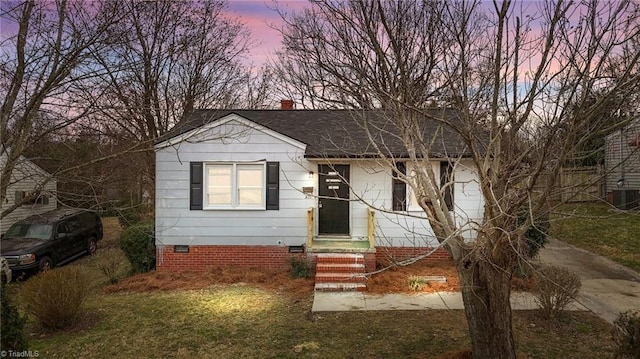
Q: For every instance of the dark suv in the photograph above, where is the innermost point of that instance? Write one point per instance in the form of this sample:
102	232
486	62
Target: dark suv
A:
50	239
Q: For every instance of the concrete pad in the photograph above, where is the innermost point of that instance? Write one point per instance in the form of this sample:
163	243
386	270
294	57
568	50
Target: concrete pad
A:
390	302
608	288
357	301
609	297
338	301
442	300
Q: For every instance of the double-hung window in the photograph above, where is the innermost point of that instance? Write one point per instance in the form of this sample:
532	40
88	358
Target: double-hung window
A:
235	185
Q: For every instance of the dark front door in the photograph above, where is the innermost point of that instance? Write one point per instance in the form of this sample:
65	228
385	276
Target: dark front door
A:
333	204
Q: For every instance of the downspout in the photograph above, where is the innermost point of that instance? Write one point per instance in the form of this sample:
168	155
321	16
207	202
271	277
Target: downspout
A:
621	180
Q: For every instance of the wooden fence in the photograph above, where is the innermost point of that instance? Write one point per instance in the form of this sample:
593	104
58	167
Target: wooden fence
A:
582	184
575	184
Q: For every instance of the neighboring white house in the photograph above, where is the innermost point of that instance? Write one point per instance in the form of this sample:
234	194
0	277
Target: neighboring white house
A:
249	187
27	178
622	161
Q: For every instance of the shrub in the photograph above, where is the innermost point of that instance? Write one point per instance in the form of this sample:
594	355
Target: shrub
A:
137	243
626	335
55	297
300	267
12	327
416	283
536	234
554	288
109	262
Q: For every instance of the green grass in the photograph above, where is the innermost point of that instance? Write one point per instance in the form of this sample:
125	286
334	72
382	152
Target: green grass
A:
241	321
600	229
246	321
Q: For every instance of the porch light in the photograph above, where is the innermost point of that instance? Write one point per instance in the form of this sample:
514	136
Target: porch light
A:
311	174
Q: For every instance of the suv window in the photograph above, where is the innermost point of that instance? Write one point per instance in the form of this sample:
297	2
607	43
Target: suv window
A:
69	226
30	230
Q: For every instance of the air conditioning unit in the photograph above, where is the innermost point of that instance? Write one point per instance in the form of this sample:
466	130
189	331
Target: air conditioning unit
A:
626	199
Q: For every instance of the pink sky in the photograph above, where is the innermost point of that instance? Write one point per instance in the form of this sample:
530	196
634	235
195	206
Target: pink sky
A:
260	17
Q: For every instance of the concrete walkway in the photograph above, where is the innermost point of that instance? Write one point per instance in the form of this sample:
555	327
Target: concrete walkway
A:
607	289
353	301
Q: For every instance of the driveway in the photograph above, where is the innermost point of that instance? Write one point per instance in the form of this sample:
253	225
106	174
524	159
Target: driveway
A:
608	288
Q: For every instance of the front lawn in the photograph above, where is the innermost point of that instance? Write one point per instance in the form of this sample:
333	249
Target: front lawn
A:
602	230
226	313
245	321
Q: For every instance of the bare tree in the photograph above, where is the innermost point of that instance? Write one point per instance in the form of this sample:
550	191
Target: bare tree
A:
165	59
42	65
512	72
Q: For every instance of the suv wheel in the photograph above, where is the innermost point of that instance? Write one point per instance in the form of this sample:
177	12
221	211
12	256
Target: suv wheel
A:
92	246
45	264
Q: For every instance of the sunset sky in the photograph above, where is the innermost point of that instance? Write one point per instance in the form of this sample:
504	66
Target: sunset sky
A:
260	17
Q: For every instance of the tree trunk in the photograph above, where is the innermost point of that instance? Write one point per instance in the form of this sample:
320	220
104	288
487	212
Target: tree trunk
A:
486	290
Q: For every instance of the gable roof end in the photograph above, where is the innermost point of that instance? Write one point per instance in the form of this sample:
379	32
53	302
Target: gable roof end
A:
209	123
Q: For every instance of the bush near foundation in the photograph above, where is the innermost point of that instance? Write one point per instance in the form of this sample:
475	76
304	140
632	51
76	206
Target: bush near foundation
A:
300	267
138	244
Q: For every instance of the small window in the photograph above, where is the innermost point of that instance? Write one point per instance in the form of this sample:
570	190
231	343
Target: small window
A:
31	198
399	190
235	186
404	199
447	183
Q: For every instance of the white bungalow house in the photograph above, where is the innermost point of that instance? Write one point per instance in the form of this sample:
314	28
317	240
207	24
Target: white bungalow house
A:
31	190
622	166
250	187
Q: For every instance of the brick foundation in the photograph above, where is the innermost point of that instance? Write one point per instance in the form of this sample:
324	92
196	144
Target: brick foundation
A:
205	257
272	257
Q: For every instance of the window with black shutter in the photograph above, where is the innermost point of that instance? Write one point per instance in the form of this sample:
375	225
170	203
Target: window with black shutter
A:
196	177
446	182
399	187
31	198
273	185
228	185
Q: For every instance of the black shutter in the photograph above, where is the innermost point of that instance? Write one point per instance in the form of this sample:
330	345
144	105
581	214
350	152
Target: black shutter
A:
399	188
195	197
446	177
273	185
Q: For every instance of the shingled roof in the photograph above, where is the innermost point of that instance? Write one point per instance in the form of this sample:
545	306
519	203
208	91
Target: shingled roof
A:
338	133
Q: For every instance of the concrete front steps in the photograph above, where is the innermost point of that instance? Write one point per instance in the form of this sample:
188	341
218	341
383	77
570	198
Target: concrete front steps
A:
337	272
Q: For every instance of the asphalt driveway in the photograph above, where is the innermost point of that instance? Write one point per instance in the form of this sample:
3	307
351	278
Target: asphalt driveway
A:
608	288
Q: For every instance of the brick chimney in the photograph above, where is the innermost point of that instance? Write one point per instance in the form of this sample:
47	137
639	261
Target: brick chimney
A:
286	104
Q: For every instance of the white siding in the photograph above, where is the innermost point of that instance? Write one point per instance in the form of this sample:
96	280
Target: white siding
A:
370	182
469	204
622	160
373	183
26	177
177	224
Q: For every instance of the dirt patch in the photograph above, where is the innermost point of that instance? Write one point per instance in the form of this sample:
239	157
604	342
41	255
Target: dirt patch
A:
390	281
396	279
278	280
